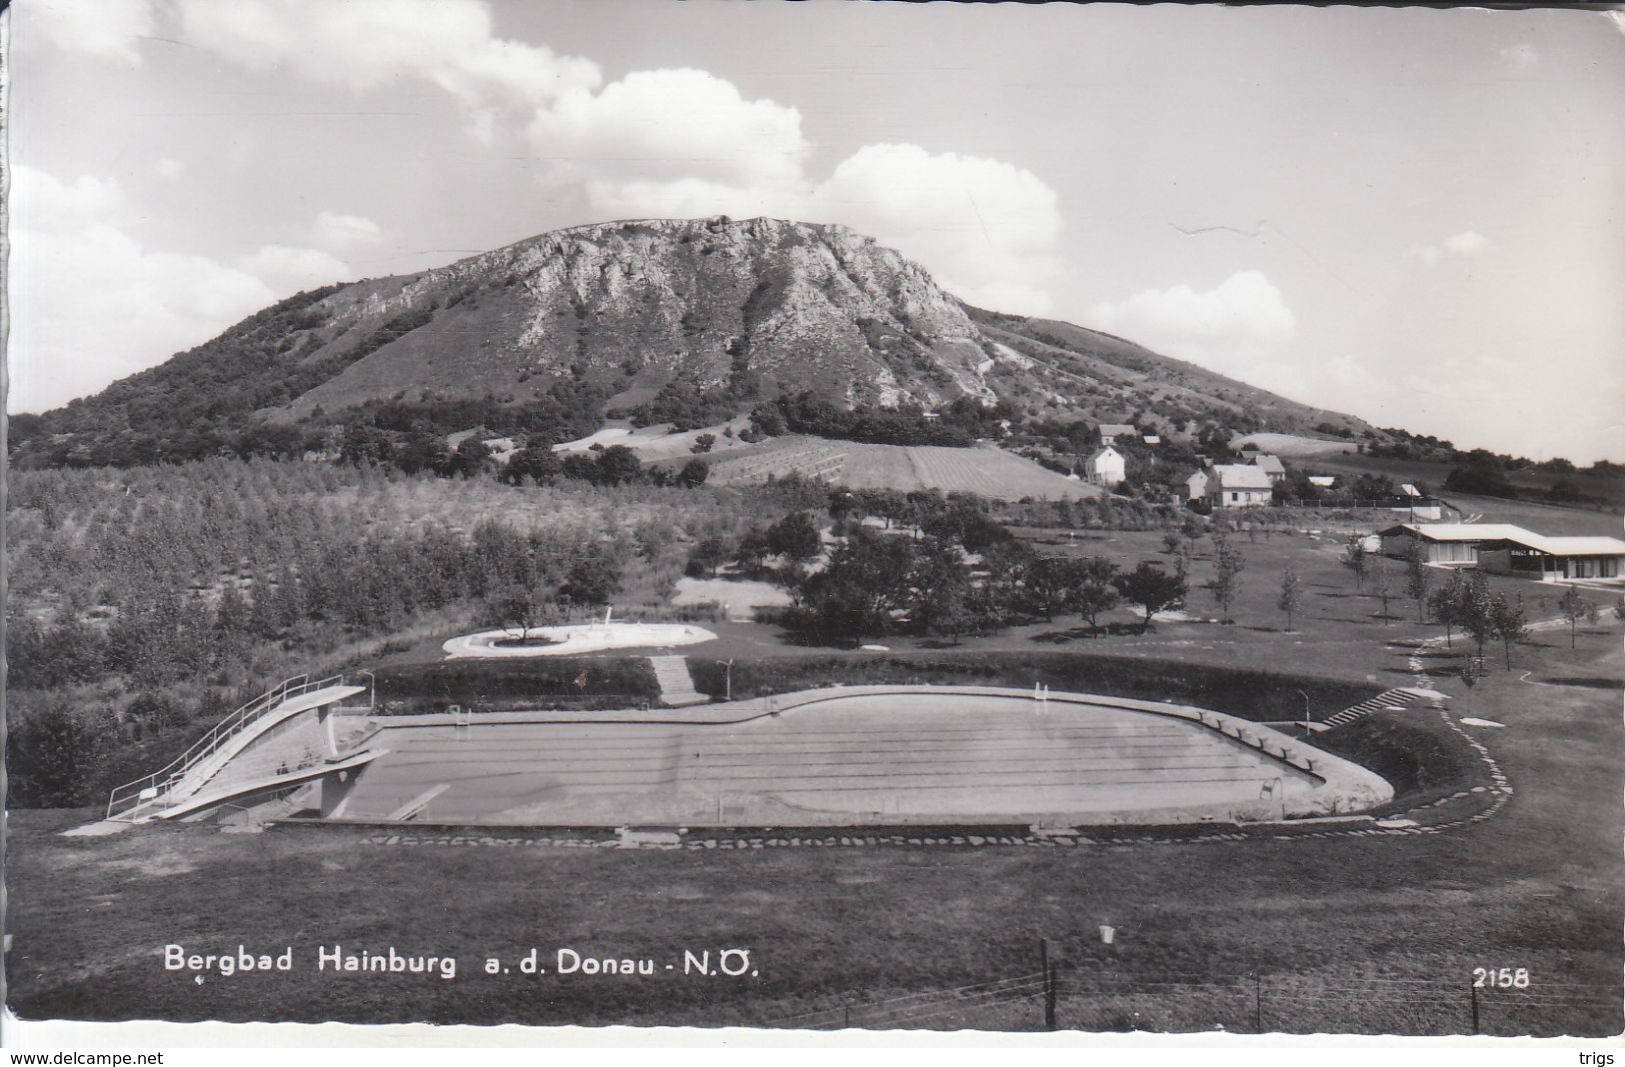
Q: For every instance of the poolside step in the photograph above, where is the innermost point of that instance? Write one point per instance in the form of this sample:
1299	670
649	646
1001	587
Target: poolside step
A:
1384	701
676	684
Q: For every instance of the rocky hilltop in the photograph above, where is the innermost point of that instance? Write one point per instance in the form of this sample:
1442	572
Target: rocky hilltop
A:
604	319
711	302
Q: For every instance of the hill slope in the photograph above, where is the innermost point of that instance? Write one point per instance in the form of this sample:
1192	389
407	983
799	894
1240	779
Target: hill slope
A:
575	322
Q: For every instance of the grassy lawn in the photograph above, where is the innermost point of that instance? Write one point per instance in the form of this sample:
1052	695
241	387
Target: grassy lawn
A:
1273	929
1291	932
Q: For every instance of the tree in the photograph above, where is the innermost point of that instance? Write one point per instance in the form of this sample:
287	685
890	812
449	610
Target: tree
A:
795	537
1354	558
520	607
617	465
1227	568
1092	591
536	461
1171	540
1471	670
1048	586
1221	530
1509	623
1416	577
1291	595
693	474
1478	611
753	549
420	451
1383	593
1448	604
471	456
703	443
363	443
707	556
941	589
595	575
866	583
1153	589
1373	488
51	755
1480	476
1003	587
1574	607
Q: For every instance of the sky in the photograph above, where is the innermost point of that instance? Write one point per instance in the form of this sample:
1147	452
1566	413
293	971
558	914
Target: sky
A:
1416	216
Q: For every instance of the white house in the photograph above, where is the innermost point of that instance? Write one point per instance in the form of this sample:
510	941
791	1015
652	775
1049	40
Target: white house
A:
1198	485
1105	467
1323	481
1236	485
1110	431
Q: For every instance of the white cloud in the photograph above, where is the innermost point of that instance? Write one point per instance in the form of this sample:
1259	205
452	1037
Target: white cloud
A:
107	29
338	231
1244	314
363	44
686	128
171	169
986	230
666	143
1466	243
288	270
44	204
621	198
90	304
684	143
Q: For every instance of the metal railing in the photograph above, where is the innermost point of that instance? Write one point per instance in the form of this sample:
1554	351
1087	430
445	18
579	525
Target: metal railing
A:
161	784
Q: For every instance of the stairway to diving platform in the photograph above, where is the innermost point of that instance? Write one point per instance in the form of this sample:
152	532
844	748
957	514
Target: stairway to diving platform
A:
239	755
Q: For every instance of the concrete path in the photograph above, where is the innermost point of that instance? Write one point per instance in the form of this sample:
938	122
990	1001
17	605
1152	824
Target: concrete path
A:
676	684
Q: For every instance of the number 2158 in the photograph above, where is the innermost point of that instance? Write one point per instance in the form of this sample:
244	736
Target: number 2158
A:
1500	978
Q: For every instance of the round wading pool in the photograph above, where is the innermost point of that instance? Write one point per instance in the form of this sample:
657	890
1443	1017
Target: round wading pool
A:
577	639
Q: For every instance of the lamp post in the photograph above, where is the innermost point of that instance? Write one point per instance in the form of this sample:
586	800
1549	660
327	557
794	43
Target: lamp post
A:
1306	731
727	666
372	688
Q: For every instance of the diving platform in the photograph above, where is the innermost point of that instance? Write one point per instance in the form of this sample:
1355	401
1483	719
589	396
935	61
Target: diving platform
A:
285	735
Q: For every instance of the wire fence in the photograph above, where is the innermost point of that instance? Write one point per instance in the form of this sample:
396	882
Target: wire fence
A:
1101	998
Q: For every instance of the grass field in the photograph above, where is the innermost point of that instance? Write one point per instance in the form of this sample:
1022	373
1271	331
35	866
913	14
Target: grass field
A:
1316	929
1294	446
1334	934
1528	482
986	471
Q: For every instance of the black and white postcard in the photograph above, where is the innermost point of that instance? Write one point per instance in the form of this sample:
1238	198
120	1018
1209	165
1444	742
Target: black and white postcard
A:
815	517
